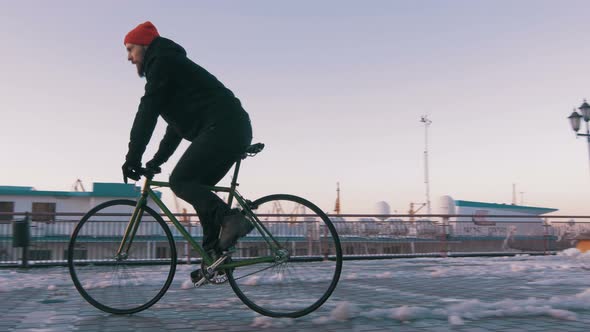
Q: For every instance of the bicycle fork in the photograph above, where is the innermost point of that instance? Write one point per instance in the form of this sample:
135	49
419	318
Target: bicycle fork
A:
131	229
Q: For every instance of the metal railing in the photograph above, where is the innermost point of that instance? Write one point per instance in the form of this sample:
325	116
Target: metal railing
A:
42	238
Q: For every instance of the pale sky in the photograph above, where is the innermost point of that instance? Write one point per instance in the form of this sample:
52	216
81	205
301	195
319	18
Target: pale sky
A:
335	89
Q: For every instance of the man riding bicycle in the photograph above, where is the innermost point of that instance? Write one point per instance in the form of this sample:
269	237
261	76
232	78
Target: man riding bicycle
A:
199	108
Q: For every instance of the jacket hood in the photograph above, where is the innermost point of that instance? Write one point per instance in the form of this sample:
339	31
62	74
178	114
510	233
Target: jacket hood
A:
161	46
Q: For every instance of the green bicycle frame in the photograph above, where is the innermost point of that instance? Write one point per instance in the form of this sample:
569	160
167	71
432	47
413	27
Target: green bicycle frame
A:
148	193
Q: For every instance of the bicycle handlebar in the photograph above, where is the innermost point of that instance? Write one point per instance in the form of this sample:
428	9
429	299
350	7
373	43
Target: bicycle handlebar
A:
149	172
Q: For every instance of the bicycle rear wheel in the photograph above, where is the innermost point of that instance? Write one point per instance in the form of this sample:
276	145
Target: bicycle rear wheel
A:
307	271
124	284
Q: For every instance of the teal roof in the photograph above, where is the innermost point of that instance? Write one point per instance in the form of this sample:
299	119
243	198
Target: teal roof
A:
16	188
99	189
510	207
115	189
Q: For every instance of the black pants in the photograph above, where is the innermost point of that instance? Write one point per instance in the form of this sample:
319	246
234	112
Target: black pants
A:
205	162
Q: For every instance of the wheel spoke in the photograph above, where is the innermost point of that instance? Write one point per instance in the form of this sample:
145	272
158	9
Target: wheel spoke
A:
121	285
305	232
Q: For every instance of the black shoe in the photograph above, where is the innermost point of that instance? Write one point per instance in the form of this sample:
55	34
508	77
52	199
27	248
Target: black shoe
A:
233	227
197	275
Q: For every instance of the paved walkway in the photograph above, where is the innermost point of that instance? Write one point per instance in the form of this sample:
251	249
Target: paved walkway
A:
475	294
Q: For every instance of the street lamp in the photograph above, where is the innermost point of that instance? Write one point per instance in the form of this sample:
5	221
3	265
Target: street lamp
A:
427	123
575	118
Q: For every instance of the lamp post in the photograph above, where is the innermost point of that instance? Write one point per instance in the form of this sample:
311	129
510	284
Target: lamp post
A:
575	118
424	119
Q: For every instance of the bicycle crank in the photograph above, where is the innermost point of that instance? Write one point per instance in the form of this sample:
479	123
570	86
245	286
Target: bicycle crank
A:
208	274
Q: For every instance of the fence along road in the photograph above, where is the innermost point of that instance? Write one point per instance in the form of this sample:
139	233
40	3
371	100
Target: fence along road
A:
28	239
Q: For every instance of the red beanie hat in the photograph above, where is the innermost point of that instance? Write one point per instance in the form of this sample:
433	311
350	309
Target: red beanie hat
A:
143	34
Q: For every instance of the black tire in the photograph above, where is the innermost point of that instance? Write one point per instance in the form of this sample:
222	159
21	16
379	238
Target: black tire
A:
121	286
300	283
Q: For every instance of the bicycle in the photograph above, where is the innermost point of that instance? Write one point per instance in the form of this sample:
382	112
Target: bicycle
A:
288	274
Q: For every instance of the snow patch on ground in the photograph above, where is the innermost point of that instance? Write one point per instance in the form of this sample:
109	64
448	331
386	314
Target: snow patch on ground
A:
265	322
559	307
343	311
402	314
262	322
251	281
187	284
351	276
456	320
559	274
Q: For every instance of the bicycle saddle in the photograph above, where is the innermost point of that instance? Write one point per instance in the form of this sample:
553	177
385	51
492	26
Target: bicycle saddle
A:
253	149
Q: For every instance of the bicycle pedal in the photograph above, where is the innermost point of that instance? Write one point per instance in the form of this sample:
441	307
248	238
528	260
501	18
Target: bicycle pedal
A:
200	283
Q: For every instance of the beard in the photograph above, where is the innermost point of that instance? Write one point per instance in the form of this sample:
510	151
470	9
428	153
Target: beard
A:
139	67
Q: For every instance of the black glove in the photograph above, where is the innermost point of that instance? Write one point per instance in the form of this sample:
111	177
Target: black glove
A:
154	166
131	170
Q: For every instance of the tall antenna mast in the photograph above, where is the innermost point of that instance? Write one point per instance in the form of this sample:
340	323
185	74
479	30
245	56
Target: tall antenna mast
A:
337	207
514	194
424	119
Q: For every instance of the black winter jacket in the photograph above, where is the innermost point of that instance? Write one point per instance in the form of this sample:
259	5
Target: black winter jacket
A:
186	95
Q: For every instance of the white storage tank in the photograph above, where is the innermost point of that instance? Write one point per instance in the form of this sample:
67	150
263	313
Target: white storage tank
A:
382	208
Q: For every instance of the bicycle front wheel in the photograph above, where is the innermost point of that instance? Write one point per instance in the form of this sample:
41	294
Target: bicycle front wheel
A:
128	282
308	258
